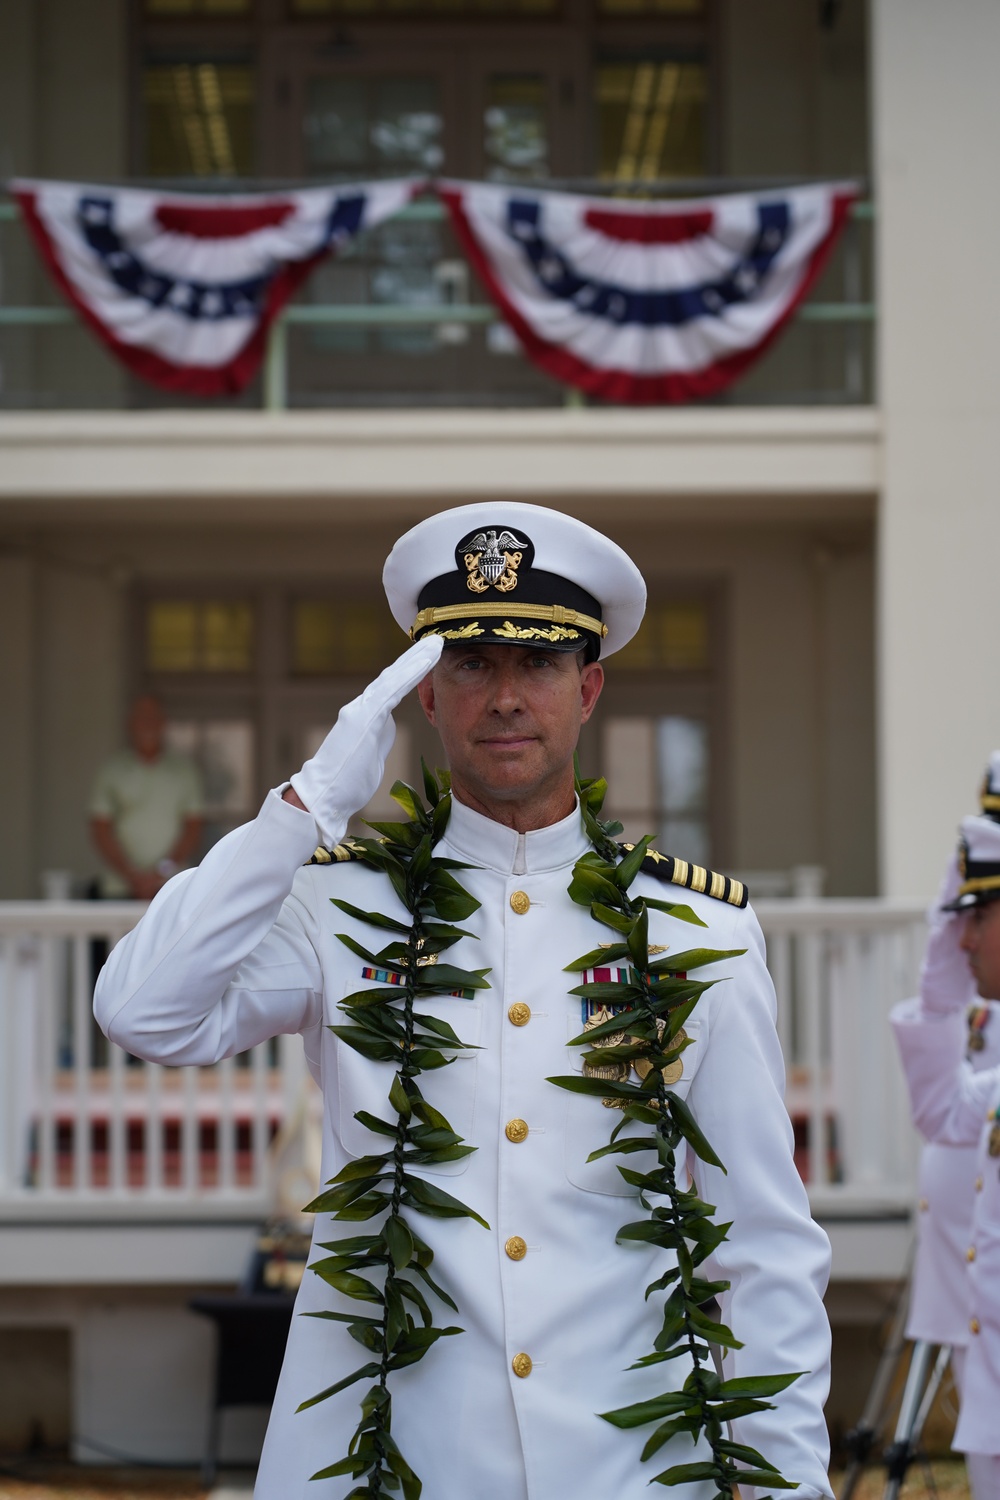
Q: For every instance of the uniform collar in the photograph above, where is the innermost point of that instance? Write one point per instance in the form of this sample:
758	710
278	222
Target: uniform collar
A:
489	844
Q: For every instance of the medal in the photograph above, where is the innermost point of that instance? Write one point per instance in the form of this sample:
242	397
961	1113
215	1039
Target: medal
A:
977	1017
994	1144
616	1072
673	1071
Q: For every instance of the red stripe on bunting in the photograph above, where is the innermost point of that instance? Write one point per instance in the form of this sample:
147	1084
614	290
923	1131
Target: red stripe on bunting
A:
220	221
189	380
622	387
650	229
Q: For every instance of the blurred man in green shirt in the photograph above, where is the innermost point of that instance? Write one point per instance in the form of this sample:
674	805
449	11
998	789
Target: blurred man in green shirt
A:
146	809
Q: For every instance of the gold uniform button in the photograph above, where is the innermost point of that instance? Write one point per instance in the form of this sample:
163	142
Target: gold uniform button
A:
923	1205
979	1184
973	1328
970	1254
516	1131
521	1365
516	1248
519	1014
519	903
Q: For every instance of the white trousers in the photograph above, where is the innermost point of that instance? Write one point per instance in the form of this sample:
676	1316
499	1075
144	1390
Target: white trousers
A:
983	1468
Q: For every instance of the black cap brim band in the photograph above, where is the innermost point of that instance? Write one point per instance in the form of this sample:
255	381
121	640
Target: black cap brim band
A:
548	611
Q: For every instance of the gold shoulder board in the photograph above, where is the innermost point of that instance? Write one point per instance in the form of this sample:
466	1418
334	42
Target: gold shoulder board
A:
675	871
340	854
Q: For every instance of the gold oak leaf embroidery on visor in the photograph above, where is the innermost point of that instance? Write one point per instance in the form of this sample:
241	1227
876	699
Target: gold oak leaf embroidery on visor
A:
466	633
511	632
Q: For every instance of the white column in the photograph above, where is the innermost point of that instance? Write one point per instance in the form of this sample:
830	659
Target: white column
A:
18	711
936	129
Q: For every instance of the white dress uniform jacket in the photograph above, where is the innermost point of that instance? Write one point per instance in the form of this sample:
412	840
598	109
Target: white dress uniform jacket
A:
939	1286
246	947
955	1105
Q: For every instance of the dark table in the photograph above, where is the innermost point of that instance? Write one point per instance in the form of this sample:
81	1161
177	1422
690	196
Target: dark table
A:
252	1330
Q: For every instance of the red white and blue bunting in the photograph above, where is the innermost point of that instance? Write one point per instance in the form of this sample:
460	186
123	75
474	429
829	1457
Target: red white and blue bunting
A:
184	287
636	303
647	303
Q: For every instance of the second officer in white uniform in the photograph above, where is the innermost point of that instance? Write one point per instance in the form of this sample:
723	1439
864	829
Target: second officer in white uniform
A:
959	1107
939	1289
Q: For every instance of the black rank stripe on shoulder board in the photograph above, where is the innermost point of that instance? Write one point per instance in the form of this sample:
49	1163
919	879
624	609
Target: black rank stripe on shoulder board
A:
340	854
675	871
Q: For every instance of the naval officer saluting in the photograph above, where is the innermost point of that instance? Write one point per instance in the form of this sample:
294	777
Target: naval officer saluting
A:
525	603
939	1286
958	1105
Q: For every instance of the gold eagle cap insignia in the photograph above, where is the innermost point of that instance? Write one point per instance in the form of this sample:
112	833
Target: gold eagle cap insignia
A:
492	559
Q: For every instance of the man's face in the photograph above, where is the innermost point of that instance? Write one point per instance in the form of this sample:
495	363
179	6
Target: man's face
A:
509	718
146	725
981	942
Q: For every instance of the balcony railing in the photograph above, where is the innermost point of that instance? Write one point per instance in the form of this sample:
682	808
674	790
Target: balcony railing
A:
408	327
84	1127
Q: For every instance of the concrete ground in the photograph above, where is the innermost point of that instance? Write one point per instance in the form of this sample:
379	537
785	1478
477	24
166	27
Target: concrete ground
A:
36	1480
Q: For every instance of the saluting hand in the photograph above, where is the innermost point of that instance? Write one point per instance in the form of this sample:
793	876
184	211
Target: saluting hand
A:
946	982
346	770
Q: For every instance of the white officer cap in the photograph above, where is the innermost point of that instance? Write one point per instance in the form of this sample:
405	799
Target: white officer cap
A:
978	863
511	574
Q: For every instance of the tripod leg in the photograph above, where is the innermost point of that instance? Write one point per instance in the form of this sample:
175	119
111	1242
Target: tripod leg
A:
922	1383
860	1441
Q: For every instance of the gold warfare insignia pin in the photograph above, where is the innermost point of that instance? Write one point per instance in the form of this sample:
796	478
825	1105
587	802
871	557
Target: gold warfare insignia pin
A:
492	559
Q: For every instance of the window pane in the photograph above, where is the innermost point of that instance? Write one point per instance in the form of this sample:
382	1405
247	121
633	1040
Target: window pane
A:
686	838
172	637
331	639
658	769
227	638
381	125
673	637
682	761
199	119
377	126
187	635
223	752
651	120
682	764
335	124
516	131
406	125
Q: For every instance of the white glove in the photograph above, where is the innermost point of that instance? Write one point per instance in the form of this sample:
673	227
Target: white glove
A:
946	983
346	770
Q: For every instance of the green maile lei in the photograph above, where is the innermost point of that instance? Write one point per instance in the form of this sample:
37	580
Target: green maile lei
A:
384	1026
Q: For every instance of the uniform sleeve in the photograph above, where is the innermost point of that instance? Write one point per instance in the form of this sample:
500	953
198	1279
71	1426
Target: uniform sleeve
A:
948	1099
777	1259
225	956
